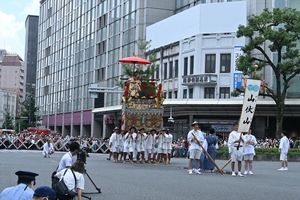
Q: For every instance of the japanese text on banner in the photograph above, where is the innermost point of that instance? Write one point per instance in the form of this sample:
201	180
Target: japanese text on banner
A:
249	104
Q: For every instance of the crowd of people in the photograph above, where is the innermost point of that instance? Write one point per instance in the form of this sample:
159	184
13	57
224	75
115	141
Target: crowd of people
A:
35	141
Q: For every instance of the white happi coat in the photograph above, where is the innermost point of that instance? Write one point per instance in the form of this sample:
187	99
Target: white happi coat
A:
116	140
139	140
233	136
159	141
129	140
199	136
169	138
151	141
249	148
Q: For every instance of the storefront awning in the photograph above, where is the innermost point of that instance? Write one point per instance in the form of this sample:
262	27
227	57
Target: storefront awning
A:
107	109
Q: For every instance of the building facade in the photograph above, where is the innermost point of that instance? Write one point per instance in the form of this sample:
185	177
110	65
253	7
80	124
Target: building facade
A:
12	75
8	104
30	57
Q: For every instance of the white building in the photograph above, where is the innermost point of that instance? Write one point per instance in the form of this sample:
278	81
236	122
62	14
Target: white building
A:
8	103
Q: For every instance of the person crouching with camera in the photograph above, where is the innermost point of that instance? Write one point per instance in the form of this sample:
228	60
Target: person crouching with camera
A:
73	179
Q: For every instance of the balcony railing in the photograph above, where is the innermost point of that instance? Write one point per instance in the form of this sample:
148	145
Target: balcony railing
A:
200	79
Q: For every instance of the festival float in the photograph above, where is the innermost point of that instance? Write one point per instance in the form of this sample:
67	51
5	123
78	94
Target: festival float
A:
142	100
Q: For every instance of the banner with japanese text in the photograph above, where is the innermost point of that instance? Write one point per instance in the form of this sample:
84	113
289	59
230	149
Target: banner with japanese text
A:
249	104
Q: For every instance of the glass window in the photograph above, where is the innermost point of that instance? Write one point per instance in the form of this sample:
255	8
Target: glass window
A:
191	91
184	94
165	70
175	94
171	69
185	66
170	95
210	63
224	93
225	63
192	65
209	93
176	68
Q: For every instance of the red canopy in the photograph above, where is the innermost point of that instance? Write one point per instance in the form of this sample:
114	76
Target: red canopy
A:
134	60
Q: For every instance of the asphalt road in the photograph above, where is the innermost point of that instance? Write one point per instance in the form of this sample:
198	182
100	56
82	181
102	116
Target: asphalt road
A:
119	181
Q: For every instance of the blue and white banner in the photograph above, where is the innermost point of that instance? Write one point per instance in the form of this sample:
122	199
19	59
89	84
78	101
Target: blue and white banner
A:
250	100
237	80
237	53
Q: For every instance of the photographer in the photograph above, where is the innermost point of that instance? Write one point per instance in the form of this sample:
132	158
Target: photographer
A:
68	177
67	160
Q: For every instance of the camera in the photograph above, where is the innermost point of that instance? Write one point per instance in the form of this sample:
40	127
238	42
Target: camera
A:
171	120
82	154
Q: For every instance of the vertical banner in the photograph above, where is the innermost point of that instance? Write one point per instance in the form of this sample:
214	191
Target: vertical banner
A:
237	80
237	53
249	104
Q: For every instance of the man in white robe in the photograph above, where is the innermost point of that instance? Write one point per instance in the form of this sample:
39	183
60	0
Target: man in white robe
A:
151	146
195	137
235	146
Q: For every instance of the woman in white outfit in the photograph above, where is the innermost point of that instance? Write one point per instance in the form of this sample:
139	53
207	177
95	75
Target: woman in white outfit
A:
79	169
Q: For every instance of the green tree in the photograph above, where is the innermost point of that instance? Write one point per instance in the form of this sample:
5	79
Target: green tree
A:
30	114
280	31
8	122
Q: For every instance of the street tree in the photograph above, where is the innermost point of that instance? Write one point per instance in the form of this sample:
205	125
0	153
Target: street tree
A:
280	31
29	114
8	121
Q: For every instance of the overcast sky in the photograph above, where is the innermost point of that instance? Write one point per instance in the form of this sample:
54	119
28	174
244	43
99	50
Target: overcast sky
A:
13	14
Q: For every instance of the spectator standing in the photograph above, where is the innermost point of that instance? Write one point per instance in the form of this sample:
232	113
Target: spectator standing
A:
283	150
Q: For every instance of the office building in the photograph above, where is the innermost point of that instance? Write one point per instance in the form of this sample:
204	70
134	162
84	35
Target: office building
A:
30	57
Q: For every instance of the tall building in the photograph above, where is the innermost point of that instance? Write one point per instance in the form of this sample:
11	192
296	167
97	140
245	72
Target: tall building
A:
79	43
12	75
30	57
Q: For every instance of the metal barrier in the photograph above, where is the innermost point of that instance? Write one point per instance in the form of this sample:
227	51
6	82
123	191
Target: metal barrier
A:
59	145
62	145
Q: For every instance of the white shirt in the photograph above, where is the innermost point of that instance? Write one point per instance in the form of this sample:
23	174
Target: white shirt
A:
249	148
129	140
69	179
169	138
160	141
150	141
233	136
66	161
198	135
47	147
284	144
140	138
